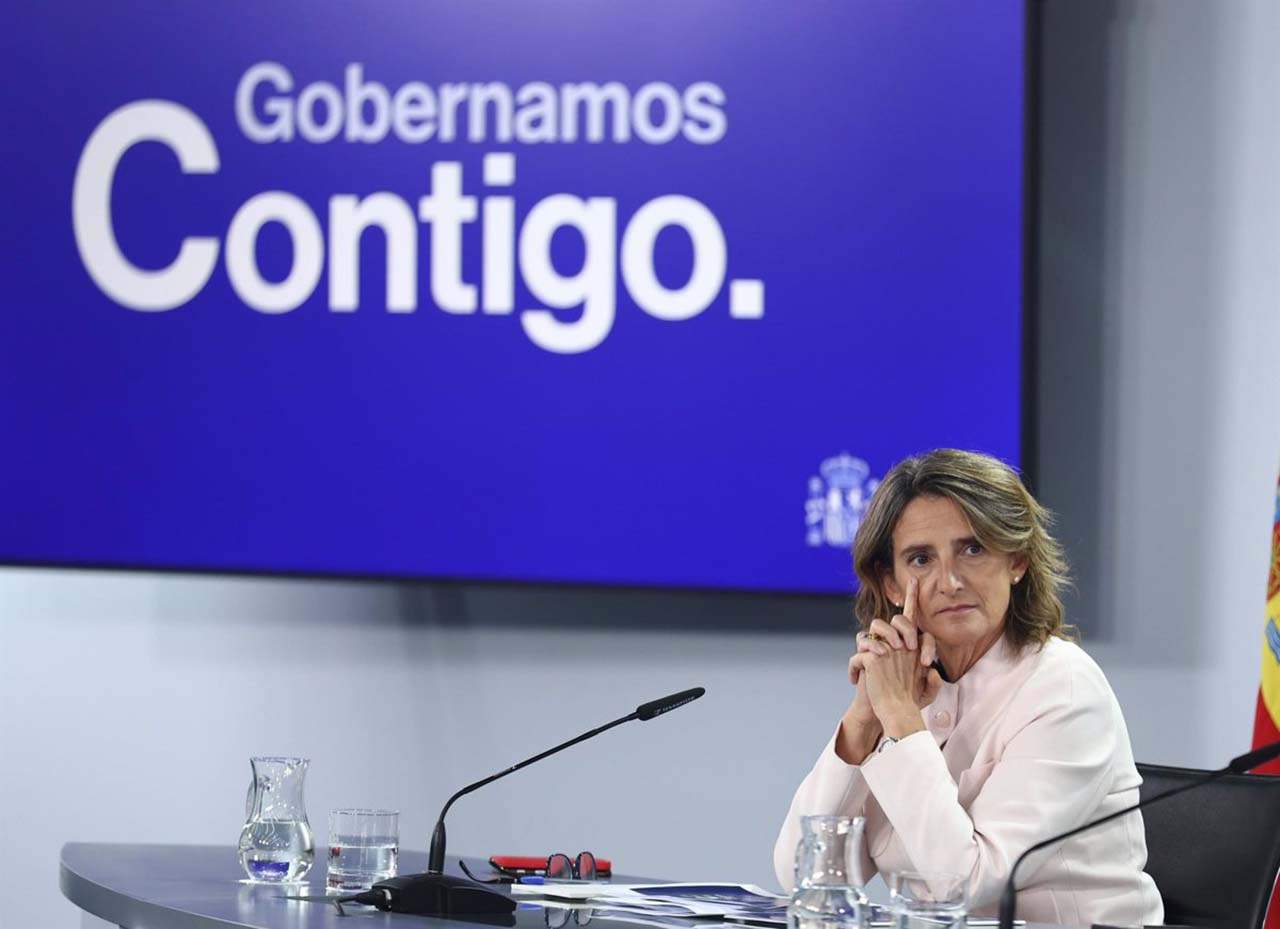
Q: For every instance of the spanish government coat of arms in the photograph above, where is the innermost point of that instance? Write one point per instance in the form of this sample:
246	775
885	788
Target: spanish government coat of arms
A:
838	497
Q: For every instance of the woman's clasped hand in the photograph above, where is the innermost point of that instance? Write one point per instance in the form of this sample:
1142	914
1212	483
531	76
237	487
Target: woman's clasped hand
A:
893	666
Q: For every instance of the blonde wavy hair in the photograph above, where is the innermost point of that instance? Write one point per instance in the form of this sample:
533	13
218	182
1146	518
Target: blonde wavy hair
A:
1005	518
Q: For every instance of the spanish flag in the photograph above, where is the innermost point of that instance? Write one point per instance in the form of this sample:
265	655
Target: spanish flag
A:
1266	724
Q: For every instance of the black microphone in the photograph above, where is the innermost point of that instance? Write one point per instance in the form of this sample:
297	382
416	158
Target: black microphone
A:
1254	759
1237	765
646	711
438	894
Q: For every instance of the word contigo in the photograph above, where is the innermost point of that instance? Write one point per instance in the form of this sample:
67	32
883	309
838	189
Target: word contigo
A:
591	293
537	112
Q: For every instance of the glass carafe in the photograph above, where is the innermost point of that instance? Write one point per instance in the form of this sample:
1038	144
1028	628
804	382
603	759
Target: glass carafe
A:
276	845
829	888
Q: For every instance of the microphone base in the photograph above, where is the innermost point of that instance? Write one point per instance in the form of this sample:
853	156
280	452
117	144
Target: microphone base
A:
440	895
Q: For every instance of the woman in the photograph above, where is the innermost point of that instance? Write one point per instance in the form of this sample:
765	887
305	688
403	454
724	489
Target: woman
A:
977	728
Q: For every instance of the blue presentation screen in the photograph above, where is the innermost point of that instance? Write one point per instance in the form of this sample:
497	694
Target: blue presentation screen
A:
576	292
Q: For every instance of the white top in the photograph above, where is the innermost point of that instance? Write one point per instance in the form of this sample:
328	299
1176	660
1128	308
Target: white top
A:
1021	748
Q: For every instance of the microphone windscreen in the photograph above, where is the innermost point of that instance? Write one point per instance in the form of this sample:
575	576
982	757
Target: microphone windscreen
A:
1255	758
662	705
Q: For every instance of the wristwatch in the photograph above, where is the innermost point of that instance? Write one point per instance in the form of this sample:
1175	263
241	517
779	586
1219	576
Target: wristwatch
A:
885	743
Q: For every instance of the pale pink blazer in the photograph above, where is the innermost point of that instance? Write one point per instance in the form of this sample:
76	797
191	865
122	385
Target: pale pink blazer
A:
1021	748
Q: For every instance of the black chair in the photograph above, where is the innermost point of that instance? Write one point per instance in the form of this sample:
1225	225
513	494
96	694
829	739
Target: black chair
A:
1214	852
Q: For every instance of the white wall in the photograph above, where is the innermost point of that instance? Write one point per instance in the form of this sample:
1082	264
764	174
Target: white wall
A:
130	703
1159	379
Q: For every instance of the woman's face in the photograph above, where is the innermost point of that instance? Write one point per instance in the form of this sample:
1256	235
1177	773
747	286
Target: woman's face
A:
963	589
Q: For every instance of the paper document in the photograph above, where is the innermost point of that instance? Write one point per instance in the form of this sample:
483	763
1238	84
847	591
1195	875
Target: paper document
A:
703	899
673	906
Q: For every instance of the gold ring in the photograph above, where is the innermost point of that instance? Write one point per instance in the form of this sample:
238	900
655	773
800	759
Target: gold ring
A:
873	636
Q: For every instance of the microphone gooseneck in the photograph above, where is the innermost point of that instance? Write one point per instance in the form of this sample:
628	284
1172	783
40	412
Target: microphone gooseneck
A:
435	859
1238	765
646	711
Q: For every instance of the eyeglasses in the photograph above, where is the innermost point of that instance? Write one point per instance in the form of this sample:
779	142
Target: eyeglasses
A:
557	917
558	867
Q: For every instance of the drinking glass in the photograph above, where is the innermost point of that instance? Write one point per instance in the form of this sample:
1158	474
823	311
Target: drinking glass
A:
364	846
928	900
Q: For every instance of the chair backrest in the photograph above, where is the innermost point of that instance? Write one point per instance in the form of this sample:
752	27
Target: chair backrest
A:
1214	852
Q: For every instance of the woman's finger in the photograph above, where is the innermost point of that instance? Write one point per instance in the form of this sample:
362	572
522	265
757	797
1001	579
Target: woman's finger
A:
911	607
928	649
907	629
932	684
859	664
873	646
887	632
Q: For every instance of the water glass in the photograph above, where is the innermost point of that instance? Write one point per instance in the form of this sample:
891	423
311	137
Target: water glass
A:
928	900
363	848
